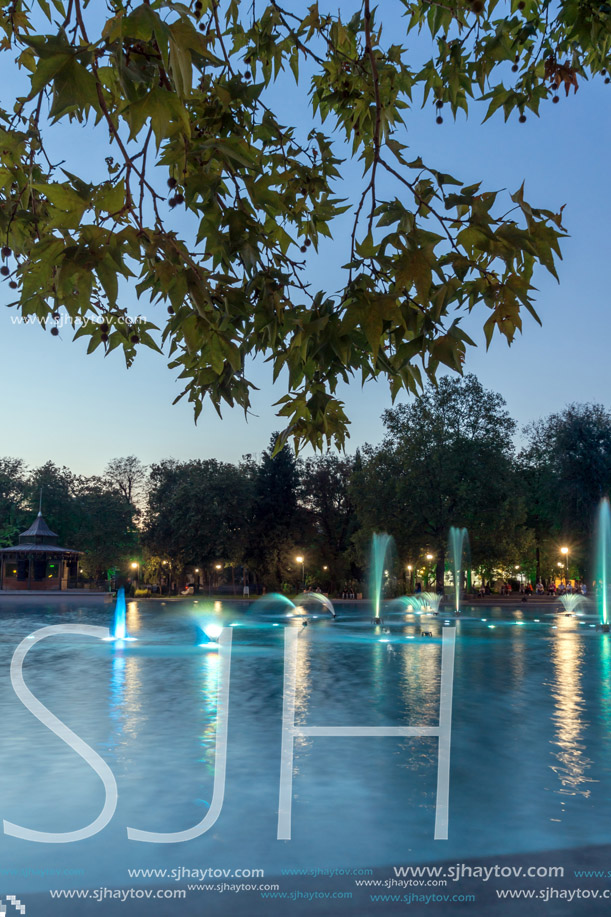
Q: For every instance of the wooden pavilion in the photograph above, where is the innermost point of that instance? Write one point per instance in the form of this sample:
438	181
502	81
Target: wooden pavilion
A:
38	563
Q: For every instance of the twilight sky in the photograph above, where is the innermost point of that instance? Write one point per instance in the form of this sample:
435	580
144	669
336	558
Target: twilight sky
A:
81	411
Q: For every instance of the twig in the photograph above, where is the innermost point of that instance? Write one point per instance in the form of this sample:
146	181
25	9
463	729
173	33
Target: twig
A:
376	89
142	174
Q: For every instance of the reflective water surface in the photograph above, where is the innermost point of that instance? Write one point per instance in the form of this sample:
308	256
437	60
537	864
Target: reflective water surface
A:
531	739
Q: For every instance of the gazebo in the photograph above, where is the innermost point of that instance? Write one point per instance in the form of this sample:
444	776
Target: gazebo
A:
38	562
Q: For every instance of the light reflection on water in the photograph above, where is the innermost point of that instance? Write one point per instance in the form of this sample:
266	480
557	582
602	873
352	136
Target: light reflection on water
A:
303	745
209	696
568	656
419	684
126	700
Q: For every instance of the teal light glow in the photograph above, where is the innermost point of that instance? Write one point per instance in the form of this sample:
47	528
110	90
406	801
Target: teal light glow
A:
458	547
119	628
603	558
379	546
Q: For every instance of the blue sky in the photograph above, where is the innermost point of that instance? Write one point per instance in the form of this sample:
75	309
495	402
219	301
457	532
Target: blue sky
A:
81	411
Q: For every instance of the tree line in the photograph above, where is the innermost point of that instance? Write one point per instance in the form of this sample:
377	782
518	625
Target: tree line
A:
447	458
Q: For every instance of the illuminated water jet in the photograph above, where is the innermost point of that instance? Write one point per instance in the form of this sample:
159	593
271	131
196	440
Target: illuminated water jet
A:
379	547
119	627
324	600
603	561
458	545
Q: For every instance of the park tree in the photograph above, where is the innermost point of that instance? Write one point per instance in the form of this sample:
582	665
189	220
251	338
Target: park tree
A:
326	495
201	199
128	476
87	514
197	512
446	459
277	528
13	491
566	468
104	527
53	488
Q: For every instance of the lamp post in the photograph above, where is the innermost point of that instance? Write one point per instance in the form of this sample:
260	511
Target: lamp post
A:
217	567
168	563
300	559
564	550
410	570
429	557
136	566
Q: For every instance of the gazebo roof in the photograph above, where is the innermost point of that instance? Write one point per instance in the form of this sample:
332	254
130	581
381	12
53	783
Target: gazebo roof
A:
38	539
38	529
38	549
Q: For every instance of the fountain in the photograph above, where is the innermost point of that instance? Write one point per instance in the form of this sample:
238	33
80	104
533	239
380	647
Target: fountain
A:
603	561
324	600
410	604
458	544
298	606
379	547
269	598
119	628
571	603
430	601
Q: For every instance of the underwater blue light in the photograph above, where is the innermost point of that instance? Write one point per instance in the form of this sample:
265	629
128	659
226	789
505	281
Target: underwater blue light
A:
213	631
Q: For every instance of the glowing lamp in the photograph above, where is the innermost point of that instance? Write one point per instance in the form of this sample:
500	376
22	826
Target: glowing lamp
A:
213	631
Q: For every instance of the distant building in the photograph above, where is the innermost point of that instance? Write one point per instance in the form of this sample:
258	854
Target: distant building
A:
38	562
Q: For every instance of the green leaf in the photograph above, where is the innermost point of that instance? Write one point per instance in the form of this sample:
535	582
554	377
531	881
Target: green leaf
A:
74	89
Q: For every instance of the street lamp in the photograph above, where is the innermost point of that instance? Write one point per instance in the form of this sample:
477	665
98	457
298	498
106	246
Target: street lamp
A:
217	567
410	570
565	551
136	566
166	563
300	559
429	557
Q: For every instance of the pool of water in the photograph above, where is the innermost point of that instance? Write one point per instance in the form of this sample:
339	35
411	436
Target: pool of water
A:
530	754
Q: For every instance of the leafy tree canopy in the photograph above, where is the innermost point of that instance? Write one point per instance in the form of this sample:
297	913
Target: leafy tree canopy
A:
13	491
325	496
566	469
276	520
447	459
216	209
196	510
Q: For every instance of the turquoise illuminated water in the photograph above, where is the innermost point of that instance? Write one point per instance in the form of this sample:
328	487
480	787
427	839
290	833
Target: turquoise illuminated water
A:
530	758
